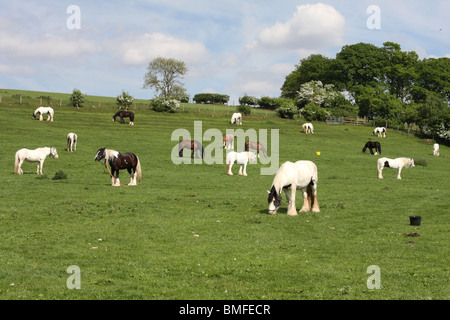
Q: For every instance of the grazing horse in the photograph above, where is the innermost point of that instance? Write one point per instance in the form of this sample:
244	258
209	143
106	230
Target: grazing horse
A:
236	118
228	141
118	161
124	114
242	158
372	145
44	110
398	164
436	150
380	131
308	128
255	146
301	175
38	155
72	142
193	145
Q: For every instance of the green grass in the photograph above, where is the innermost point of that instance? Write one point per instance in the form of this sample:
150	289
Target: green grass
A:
192	232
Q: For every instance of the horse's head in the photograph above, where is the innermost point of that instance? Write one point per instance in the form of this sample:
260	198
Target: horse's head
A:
411	162
54	153
274	200
252	158
100	154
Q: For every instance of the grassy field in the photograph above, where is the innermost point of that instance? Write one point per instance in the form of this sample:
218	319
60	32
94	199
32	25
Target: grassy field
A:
193	232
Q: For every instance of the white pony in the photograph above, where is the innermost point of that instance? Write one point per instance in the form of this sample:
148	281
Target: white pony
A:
242	158
301	175
380	131
37	155
308	128
228	141
436	150
43	110
236	118
398	163
72	142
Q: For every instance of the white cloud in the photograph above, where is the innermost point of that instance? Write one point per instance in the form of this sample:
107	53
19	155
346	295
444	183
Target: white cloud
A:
141	49
312	26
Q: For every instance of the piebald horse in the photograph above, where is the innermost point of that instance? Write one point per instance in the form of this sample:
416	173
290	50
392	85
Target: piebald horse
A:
236	118
308	128
118	161
241	158
44	110
380	131
124	114
372	145
38	155
436	150
255	146
301	175
398	164
72	142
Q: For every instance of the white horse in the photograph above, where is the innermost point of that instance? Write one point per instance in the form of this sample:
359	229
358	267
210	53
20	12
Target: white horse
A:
242	158
398	164
308	128
380	132
72	142
236	118
301	175
228	141
37	155
42	110
436	150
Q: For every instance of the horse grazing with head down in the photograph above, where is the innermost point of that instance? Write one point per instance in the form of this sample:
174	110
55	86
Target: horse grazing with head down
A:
37	155
380	131
308	128
118	161
124	114
236	118
44	110
301	175
255	146
372	145
193	145
241	158
398	164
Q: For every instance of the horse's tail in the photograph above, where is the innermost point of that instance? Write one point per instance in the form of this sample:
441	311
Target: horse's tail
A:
379	148
16	163
138	170
68	142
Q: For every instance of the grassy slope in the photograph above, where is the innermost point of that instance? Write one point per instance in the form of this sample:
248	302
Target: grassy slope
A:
192	232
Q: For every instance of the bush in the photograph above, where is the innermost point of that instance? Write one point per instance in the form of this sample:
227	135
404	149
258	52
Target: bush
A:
244	109
124	100
164	105
287	109
211	98
248	100
313	112
77	98
59	175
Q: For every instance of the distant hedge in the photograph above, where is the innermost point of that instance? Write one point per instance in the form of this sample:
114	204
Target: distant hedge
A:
211	98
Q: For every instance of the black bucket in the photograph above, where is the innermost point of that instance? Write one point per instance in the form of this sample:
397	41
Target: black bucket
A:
414	220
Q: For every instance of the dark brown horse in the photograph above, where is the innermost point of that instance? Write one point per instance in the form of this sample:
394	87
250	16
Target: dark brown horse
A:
372	145
255	146
124	114
193	145
118	161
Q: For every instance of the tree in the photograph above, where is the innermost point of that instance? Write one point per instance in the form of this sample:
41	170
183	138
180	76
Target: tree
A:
164	75
124	100
77	98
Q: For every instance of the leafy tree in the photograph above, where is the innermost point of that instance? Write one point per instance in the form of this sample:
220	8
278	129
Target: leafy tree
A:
248	100
164	75
77	98
124	100
433	76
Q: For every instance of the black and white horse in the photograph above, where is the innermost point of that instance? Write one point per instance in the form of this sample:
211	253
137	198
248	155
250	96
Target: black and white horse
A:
118	161
380	132
372	145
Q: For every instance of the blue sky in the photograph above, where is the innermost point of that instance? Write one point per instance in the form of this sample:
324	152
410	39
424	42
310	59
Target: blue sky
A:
230	47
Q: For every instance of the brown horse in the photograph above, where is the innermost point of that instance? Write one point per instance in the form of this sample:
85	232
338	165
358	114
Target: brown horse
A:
193	145
124	114
255	146
118	161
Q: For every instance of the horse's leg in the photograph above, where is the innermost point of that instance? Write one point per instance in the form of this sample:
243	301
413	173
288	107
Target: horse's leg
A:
40	117
371	151
398	173
48	116
245	168
313	195
380	171
20	171
229	166
306	201
292	211
131	177
117	182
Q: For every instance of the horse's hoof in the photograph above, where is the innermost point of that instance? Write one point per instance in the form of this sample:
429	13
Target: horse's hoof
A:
315	210
292	214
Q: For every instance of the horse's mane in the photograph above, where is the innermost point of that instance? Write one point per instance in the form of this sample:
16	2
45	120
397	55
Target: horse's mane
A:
110	154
